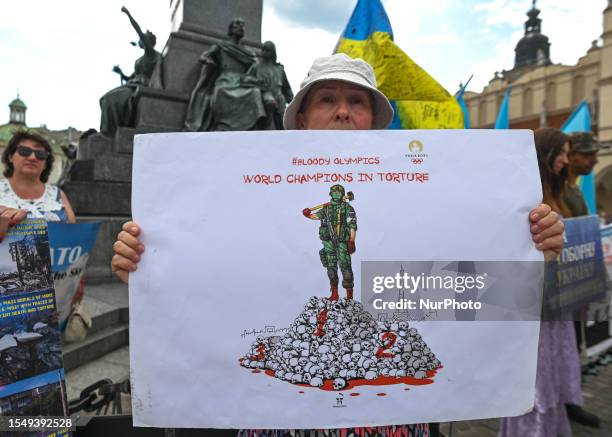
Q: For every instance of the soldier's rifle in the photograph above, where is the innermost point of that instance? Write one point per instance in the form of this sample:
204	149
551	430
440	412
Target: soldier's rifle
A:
347	198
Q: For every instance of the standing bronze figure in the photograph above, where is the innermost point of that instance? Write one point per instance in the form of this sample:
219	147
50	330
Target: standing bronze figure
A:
270	76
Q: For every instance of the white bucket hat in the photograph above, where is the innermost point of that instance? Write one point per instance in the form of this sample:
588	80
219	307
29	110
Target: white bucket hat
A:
344	68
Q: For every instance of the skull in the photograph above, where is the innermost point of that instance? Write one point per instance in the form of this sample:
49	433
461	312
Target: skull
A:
296	379
361	372
418	364
302	361
339	384
327	374
279	374
314	346
351	374
316	381
306	377
401	365
352	365
260	339
403	326
355	356
419	374
354	320
412	332
400	373
298	369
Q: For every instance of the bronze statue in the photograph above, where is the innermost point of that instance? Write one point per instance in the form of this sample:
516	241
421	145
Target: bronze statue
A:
270	76
118	105
221	99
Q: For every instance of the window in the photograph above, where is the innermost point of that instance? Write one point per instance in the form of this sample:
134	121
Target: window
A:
578	89
551	96
527	101
482	112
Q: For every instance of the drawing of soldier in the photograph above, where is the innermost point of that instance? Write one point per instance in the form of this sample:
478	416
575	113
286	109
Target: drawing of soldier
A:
337	233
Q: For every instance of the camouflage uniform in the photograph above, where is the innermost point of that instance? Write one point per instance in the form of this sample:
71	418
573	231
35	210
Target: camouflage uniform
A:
337	220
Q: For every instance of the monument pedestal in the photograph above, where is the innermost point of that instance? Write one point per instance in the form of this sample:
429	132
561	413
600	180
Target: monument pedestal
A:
100	182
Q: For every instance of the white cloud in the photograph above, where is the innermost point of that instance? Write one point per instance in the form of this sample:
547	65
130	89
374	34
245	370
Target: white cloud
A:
60	57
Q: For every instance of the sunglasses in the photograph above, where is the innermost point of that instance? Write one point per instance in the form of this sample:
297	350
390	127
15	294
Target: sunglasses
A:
26	151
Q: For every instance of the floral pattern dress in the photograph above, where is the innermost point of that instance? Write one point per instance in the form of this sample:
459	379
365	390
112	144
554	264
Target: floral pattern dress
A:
49	206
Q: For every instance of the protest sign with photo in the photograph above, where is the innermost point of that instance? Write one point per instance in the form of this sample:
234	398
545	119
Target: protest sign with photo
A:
31	368
232	321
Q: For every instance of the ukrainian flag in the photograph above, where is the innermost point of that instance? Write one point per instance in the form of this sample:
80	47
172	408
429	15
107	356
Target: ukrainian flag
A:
418	100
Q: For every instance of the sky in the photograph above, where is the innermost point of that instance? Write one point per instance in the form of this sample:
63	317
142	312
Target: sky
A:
59	54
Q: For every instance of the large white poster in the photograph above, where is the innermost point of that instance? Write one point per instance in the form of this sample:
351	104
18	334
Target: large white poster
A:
230	321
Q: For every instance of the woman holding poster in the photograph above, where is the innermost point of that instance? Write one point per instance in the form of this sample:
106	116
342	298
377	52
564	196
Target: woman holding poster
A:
28	162
338	93
558	373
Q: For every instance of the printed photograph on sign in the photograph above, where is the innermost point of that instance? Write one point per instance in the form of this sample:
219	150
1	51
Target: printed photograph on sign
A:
31	364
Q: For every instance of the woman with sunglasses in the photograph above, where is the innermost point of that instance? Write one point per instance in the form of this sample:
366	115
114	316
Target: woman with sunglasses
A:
28	162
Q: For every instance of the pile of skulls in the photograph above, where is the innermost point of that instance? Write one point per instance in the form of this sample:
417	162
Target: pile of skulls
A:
339	341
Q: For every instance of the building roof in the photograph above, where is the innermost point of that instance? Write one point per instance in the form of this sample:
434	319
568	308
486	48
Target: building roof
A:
18	103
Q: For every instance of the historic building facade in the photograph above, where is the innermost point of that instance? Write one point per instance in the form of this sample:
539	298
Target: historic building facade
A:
545	94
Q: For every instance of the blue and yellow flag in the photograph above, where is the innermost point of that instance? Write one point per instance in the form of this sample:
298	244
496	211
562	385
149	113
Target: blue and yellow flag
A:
462	104
418	100
503	117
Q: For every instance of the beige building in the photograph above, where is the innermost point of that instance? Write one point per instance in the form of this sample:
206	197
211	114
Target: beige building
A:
545	94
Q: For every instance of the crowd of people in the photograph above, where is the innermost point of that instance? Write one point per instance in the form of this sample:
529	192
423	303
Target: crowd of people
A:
341	93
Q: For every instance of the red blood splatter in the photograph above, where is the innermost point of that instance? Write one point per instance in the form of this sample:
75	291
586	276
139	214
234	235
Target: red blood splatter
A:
381	394
256	371
355	394
406	389
301	392
321	319
261	353
328	384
